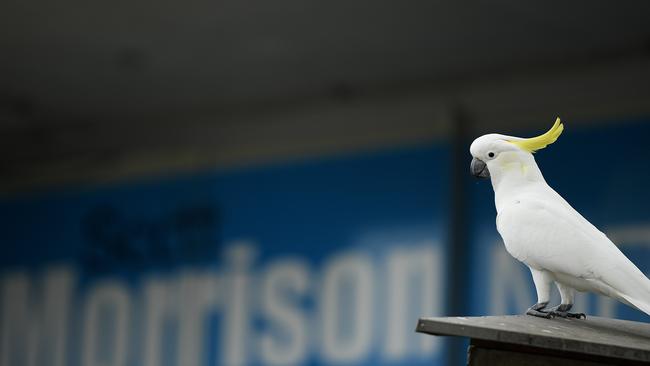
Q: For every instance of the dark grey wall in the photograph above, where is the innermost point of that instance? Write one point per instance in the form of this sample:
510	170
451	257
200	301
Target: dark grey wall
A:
116	90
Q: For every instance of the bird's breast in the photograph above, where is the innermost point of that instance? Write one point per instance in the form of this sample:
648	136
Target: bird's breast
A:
510	225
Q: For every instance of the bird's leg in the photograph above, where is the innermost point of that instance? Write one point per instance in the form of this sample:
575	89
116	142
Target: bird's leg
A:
562	311
567	293
543	286
537	310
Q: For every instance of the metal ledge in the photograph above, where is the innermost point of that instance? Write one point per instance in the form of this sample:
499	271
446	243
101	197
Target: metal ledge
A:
595	336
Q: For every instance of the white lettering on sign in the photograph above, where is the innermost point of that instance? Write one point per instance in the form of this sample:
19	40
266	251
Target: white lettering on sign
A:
35	325
235	331
346	308
283	312
106	325
198	298
284	285
414	286
160	305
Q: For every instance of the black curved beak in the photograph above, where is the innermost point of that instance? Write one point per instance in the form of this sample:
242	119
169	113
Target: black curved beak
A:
479	169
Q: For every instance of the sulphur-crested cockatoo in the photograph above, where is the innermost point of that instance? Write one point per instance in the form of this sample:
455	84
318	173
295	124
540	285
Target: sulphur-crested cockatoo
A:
542	230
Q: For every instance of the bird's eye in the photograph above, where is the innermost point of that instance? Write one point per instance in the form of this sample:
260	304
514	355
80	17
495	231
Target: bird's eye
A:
490	154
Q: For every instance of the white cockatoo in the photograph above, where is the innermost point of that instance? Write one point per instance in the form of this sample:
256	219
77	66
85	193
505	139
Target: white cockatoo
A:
540	229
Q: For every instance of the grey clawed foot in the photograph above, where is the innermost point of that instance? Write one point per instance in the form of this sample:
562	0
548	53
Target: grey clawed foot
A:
566	314
577	315
539	314
562	311
536	310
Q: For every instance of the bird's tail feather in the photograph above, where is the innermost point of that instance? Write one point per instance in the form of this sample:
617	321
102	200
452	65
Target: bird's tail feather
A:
630	285
641	305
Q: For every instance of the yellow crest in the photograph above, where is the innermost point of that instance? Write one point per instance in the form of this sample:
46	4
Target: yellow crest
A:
536	143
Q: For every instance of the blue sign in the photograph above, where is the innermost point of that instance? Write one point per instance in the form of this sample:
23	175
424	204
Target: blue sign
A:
603	173
324	262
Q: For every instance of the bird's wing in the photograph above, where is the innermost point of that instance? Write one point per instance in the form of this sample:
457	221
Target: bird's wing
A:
547	233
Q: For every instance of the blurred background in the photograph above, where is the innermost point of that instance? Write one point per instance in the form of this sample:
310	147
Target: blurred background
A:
287	183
